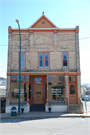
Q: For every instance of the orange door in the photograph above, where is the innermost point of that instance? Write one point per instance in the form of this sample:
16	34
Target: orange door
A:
72	91
38	94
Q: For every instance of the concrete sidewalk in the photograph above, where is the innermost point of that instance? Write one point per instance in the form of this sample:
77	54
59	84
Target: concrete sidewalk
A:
43	115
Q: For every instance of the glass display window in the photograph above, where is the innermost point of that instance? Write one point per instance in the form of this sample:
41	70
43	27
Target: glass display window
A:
15	92
56	91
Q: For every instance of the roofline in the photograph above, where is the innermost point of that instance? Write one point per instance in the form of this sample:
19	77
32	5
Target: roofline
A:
31	30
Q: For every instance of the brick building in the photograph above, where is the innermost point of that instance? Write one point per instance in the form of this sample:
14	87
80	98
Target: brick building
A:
50	67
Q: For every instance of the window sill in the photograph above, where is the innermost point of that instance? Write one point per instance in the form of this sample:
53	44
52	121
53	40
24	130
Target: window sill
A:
65	67
43	67
23	67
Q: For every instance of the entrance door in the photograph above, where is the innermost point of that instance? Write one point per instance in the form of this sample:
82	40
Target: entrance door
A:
38	94
72	97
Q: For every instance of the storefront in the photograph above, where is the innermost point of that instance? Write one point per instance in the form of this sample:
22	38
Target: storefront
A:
47	89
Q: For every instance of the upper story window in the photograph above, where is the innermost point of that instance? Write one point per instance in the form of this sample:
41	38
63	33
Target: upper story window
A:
46	59
43	59
40	59
65	59
22	60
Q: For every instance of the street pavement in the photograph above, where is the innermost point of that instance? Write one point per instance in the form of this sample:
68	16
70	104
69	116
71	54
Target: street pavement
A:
45	126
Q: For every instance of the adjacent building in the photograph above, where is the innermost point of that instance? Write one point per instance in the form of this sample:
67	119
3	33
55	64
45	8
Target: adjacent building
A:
2	94
50	67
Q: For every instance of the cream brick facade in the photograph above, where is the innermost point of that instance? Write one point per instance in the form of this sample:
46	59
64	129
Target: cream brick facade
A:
53	43
47	39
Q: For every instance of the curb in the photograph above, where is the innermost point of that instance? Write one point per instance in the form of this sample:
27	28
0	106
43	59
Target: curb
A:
81	116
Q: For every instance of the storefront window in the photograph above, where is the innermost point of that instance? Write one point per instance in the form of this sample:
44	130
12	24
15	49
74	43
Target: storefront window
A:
15	78
56	78
15	92
56	91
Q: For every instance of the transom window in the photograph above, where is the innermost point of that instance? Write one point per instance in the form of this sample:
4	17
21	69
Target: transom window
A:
38	80
43	59
56	78
72	78
65	59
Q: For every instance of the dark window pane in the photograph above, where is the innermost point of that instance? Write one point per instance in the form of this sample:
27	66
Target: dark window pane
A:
46	63
40	59
65	59
46	91
57	78
30	79
41	63
64	62
29	91
72	89
46	55
26	78
12	78
64	55
62	78
49	78
40	55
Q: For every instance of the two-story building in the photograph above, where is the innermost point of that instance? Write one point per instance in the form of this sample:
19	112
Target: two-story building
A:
50	68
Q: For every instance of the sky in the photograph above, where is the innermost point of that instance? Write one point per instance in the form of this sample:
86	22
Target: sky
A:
64	14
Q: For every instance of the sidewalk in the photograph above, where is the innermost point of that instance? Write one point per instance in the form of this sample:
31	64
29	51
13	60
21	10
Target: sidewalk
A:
43	115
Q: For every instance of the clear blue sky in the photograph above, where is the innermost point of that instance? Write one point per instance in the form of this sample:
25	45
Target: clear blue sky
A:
64	14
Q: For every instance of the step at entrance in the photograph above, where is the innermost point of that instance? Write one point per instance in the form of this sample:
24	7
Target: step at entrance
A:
37	108
75	108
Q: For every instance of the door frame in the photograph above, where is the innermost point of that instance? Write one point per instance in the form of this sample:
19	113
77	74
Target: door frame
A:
38	84
73	94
